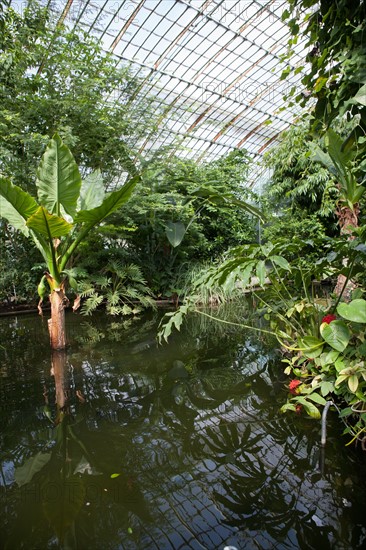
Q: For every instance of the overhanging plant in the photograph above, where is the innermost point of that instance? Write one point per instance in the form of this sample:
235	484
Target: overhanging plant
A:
68	208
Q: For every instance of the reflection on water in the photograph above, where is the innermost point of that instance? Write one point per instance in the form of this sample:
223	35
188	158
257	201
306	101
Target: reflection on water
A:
120	444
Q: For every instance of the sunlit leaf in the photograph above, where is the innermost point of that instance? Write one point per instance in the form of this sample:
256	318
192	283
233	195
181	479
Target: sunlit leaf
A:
175	232
354	311
58	178
16	206
49	225
353	383
92	191
111	203
316	398
336	334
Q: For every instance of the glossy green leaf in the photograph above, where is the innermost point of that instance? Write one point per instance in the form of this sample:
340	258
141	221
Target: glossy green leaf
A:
353	383
92	191
49	225
16	206
111	203
354	311
24	474
175	232
336	334
309	407
58	178
316	398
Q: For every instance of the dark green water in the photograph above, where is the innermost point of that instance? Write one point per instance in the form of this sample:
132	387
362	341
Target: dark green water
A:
204	460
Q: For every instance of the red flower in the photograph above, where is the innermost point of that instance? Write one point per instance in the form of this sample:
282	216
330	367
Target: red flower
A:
298	408
293	386
329	318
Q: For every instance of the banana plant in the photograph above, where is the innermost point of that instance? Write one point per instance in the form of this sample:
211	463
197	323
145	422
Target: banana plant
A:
339	159
68	208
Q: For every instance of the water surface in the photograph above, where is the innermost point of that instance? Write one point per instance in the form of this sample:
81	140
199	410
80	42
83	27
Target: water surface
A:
121	444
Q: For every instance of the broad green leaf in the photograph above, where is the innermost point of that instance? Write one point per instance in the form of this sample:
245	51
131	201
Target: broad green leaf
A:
175	232
247	207
287	407
261	272
58	178
49	225
326	388
16	206
316	398
341	378
111	203
281	262
24	474
311	342
309	407
353	383
336	334
360	97
92	191
331	357
354	311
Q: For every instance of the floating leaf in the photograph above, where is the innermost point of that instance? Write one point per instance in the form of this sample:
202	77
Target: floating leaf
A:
114	475
354	311
336	334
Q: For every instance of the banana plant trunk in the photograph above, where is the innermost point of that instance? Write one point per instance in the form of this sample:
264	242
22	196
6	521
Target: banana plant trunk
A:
348	221
56	324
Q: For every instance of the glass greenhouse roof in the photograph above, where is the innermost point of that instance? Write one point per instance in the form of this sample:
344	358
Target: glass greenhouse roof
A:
212	66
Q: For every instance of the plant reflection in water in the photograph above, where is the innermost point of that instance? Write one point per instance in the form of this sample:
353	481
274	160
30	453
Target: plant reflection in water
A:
140	446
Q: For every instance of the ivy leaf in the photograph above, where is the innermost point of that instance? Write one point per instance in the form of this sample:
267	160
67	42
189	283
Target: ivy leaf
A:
336	334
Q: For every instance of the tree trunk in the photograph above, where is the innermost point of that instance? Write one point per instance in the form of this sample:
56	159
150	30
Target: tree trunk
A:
56	324
348	220
59	371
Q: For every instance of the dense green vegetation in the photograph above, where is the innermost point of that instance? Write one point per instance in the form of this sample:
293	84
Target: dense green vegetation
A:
191	230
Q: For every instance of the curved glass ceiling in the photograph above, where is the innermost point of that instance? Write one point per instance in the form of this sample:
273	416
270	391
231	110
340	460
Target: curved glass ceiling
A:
213	66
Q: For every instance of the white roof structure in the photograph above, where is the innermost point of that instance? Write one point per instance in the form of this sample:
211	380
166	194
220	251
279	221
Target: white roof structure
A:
213	66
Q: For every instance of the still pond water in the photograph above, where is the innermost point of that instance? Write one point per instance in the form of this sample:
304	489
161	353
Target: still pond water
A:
173	447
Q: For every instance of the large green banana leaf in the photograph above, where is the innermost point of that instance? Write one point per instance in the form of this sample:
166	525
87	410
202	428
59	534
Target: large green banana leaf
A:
92	191
111	203
49	225
58	178
16	205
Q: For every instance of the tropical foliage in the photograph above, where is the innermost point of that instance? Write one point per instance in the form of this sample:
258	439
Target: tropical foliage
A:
62	196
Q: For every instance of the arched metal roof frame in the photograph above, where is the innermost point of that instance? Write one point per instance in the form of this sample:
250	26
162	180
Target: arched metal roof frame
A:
213	67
